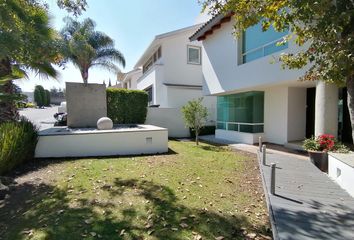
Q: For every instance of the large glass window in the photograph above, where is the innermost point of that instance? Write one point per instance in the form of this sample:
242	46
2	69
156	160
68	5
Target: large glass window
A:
243	112
256	43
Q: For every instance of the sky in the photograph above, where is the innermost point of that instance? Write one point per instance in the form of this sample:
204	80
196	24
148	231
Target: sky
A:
131	24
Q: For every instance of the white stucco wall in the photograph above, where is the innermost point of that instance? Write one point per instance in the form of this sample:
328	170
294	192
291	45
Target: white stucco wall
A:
341	172
223	73
276	114
296	113
178	97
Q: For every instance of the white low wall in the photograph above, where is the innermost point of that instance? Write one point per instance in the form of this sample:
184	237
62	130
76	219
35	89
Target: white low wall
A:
171	118
248	138
342	171
56	142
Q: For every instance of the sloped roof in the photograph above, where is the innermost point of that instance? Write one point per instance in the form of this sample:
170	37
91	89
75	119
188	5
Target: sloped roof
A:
211	25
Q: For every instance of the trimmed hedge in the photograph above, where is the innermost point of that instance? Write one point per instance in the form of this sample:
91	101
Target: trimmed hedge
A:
126	106
17	144
206	130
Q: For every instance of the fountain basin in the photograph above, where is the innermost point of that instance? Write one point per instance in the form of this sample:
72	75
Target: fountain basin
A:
59	142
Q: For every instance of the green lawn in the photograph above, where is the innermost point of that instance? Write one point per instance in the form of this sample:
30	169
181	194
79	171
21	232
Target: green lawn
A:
204	192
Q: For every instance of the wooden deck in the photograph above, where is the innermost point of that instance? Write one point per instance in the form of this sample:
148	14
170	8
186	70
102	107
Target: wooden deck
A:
307	204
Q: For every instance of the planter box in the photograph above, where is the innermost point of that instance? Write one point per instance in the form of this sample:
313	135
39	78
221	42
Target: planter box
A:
319	159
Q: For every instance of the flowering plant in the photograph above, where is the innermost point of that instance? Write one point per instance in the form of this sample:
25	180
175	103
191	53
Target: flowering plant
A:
324	143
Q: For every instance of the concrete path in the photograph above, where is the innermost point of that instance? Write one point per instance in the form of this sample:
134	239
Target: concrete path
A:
42	118
307	204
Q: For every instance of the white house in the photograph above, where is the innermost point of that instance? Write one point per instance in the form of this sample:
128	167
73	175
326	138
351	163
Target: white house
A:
172	75
129	80
255	96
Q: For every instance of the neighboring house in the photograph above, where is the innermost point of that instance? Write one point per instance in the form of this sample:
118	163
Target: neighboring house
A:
256	97
128	80
172	69
172	76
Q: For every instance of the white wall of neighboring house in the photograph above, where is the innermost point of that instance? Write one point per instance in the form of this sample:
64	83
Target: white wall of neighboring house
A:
174	81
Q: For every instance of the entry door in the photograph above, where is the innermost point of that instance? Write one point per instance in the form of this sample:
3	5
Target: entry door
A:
310	112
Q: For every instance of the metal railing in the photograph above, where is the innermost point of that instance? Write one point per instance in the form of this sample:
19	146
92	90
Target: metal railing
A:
238	125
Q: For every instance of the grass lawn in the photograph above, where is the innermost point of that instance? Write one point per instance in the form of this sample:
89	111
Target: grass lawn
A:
205	192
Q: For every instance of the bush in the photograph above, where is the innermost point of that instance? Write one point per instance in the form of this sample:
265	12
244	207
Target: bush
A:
126	106
324	143
47	98
17	143
30	105
39	96
206	130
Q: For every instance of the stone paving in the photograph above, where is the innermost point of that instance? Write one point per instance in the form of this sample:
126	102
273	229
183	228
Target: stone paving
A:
307	204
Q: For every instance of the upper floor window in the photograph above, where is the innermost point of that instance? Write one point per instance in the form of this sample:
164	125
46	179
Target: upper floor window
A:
194	55
257	44
150	62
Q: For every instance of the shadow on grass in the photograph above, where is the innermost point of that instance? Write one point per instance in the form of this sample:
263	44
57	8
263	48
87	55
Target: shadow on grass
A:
47	212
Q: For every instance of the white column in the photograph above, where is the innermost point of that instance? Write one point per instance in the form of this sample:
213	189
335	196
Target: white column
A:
326	114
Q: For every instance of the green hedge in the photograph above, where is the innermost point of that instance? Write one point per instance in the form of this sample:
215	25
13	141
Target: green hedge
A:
17	144
126	106
206	130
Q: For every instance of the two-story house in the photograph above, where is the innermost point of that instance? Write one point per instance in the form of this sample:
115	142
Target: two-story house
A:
172	69
172	76
256	96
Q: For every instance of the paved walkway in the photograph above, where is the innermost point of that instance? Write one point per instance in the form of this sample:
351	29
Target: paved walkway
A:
307	204
42	117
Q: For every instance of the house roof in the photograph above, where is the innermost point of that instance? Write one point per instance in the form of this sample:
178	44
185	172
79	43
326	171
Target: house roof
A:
211	25
157	41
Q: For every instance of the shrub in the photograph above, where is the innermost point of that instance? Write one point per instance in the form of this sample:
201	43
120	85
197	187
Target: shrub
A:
30	105
206	130
17	143
126	106
47	98
39	96
324	143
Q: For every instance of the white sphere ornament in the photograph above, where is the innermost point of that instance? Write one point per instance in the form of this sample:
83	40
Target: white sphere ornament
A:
104	123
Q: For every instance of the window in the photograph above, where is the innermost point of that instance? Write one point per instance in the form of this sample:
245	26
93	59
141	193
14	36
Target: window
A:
257	44
194	55
150	62
150	97
241	112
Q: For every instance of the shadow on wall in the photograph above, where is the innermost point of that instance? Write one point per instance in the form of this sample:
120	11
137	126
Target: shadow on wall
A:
48	212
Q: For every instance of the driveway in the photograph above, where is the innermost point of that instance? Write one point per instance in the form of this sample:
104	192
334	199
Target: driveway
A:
43	118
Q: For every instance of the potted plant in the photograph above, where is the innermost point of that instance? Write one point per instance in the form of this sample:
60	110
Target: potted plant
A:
318	148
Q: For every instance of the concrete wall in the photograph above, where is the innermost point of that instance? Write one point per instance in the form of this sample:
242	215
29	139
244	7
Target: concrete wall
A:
179	96
249	138
296	114
171	118
85	104
103	143
341	172
224	73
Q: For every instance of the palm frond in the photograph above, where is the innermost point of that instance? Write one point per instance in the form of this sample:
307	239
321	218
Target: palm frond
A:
110	54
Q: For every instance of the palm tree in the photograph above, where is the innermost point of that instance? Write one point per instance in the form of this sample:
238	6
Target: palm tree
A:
85	47
27	42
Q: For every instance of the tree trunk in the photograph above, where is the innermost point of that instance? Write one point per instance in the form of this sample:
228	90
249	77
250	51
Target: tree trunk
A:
84	75
8	109
197	137
350	90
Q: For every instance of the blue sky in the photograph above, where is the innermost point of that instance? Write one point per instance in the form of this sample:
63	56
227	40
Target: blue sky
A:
132	24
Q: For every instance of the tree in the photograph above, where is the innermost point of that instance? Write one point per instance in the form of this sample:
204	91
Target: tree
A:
195	116
27	42
324	29
47	98
86	48
40	96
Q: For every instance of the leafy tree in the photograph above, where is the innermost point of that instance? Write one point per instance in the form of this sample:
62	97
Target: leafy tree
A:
47	98
86	48
27	42
40	96
195	116
324	29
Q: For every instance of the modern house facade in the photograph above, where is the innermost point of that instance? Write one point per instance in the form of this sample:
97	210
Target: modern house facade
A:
128	80
256	97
